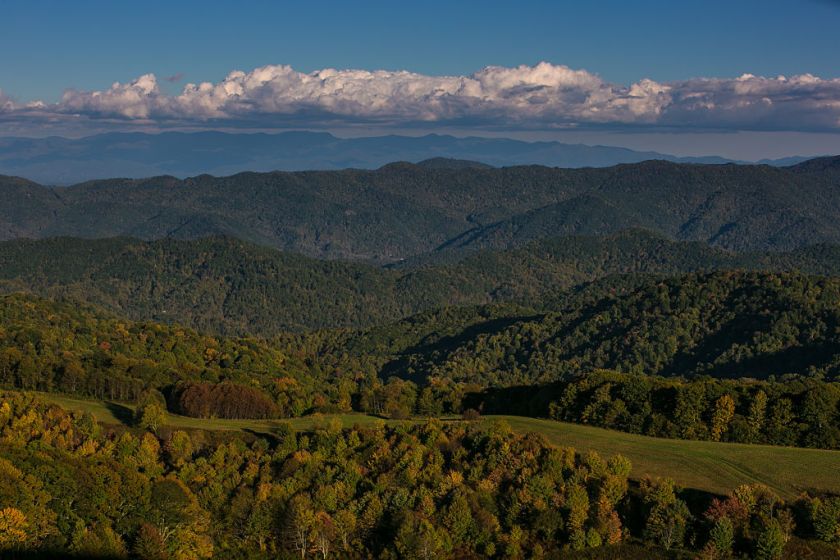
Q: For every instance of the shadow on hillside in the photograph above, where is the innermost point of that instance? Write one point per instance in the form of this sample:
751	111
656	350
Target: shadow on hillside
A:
120	412
447	344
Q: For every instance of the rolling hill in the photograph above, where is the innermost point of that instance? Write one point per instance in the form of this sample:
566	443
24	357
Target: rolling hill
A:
227	286
716	467
723	324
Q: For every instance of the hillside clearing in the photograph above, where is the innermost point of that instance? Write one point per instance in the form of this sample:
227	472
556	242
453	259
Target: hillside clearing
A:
702	465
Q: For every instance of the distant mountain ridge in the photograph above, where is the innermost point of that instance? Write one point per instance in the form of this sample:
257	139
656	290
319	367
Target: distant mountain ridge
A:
404	211
63	161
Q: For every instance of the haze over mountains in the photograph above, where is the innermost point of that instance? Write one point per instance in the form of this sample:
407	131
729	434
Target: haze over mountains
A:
62	161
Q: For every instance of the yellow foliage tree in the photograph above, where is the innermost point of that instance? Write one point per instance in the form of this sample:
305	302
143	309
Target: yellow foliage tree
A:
724	411
13	526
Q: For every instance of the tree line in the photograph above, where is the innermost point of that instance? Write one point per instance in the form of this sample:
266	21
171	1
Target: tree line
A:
795	411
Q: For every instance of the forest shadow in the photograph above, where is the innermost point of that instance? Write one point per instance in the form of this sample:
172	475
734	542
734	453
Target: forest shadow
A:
120	412
517	400
448	343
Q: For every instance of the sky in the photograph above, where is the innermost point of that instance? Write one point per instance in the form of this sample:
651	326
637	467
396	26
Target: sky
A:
740	78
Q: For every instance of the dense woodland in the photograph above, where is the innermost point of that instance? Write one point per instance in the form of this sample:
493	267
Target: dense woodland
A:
422	491
723	324
226	286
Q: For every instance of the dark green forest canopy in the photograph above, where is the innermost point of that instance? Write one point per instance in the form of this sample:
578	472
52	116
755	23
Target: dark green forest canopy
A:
403	210
227	286
722	324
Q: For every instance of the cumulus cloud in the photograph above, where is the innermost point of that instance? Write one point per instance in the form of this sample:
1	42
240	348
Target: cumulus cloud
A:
543	96
136	100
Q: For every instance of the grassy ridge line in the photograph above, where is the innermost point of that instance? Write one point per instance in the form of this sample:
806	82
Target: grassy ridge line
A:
708	466
120	413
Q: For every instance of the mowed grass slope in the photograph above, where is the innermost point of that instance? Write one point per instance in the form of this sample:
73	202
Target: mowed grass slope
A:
702	465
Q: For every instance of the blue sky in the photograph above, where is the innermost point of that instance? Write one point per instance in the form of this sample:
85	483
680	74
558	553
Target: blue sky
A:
88	45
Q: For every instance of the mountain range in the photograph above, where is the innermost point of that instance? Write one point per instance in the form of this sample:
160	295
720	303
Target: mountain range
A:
405	211
62	161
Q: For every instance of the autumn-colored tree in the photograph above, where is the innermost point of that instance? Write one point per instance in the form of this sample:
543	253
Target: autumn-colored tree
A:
722	416
224	400
179	448
147	455
345	522
98	540
149	544
756	416
13	528
419	539
323	533
151	417
299	523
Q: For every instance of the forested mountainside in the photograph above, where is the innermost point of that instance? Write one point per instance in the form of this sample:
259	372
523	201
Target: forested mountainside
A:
77	349
227	286
715	317
723	324
403	210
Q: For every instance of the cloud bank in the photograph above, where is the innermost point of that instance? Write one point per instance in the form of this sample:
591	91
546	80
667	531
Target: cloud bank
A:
540	97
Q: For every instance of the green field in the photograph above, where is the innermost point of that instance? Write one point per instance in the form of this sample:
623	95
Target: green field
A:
708	466
704	465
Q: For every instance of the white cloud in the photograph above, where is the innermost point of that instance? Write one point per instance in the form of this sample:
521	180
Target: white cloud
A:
139	99
803	102
7	105
543	96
